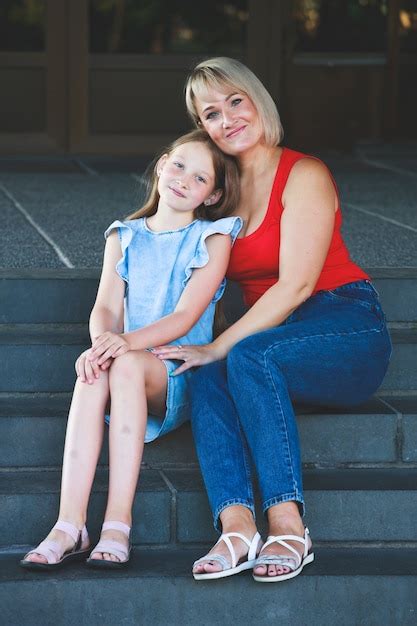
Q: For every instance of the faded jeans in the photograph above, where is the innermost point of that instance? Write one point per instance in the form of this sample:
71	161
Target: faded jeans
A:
333	350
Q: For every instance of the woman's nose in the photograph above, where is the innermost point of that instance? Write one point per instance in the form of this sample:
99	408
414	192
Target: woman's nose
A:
226	119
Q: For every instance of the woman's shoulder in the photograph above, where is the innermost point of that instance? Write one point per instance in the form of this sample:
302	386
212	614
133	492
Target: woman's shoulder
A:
306	167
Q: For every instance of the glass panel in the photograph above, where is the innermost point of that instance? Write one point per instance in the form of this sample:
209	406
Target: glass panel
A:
22	25
168	27
408	26
340	25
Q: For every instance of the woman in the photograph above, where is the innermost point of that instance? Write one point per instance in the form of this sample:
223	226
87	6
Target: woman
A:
314	331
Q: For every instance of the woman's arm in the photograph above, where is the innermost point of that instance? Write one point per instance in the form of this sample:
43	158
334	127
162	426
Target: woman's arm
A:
197	295
307	225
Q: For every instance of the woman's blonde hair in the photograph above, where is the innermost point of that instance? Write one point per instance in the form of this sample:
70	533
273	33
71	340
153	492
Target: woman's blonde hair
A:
221	72
226	175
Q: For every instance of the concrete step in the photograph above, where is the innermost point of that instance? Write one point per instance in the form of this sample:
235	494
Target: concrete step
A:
171	508
32	432
350	587
41	357
43	295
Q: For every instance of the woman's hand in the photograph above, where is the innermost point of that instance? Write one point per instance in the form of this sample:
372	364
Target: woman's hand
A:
108	345
87	369
192	356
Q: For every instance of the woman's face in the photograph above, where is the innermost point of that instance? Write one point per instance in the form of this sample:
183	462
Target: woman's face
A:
231	120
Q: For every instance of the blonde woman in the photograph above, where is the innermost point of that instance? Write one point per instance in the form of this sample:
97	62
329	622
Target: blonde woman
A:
313	333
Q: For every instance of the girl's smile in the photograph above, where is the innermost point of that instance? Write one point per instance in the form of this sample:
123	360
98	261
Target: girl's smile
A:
186	177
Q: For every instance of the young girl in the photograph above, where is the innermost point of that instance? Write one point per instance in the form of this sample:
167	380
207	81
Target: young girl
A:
163	271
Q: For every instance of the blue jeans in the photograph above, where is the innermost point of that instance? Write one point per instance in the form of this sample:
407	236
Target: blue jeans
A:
333	350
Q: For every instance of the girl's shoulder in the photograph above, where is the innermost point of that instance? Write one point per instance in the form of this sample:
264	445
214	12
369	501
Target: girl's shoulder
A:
224	226
124	227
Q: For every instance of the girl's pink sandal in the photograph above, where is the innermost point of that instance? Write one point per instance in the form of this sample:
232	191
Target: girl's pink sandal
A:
51	550
116	548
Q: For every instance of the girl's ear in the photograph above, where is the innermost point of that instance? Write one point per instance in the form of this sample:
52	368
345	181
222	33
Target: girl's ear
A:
214	197
160	164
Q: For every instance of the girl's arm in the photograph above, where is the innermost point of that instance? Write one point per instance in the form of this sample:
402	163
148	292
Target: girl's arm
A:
107	312
307	225
195	298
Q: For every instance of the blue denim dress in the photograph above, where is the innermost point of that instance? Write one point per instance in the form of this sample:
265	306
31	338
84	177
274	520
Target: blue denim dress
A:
156	267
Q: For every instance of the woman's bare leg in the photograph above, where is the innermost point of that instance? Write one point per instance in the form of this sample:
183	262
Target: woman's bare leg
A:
83	443
136	379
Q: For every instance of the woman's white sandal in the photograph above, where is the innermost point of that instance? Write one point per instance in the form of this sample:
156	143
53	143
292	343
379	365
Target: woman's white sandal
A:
296	563
237	566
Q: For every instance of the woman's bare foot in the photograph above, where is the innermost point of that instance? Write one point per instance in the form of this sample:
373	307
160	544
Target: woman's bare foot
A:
238	519
284	519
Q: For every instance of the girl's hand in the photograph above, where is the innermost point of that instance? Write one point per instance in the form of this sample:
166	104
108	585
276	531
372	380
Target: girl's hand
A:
191	355
108	345
89	370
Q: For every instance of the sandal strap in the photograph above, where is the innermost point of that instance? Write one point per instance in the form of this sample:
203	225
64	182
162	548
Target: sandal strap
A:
112	547
220	558
121	526
252	545
72	531
51	550
282	541
271	559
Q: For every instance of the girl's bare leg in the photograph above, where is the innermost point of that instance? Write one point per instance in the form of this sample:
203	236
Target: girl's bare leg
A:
83	443
137	380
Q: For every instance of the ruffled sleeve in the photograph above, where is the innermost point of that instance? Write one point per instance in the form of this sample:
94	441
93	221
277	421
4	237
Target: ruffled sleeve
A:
225	226
125	233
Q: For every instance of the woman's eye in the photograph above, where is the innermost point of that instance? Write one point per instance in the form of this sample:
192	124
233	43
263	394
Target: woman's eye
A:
236	101
211	115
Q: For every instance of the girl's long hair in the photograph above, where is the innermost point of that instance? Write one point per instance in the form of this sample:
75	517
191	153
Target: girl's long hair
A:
226	173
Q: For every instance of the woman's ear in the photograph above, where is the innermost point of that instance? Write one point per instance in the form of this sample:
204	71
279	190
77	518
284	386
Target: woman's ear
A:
160	164
214	197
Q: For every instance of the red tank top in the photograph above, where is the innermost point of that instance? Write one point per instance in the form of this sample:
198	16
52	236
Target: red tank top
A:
254	261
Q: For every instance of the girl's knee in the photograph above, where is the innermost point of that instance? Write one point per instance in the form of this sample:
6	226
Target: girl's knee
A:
127	366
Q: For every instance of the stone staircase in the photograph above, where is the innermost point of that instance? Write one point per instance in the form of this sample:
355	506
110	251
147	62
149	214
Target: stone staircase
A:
360	474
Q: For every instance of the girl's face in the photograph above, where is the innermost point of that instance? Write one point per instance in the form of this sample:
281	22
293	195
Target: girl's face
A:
231	120
187	177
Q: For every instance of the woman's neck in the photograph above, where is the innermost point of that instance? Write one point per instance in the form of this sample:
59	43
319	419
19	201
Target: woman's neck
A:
258	160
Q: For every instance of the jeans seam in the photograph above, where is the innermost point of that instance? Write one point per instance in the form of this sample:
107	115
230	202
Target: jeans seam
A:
245	461
295	339
283	419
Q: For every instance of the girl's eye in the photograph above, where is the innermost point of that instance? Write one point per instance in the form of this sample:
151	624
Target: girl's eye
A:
178	164
201	179
236	101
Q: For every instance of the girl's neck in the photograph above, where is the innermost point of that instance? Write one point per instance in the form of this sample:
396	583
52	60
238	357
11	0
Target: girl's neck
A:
259	159
167	219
